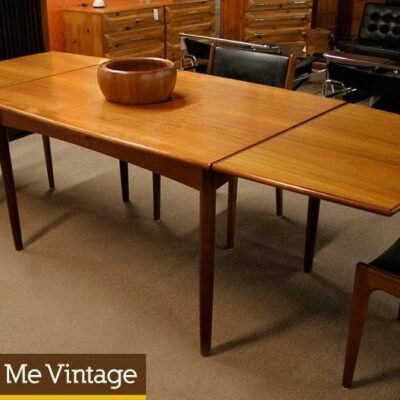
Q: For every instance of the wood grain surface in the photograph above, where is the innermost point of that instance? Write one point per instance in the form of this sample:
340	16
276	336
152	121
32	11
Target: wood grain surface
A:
121	5
207	118
350	156
24	69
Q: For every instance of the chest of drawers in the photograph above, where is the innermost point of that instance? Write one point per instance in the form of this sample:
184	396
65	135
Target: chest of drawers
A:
133	28
260	21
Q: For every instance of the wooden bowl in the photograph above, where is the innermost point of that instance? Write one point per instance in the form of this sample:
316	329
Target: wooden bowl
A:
140	80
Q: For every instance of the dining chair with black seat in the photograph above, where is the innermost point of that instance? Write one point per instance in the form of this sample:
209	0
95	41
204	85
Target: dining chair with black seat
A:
197	56
257	67
381	274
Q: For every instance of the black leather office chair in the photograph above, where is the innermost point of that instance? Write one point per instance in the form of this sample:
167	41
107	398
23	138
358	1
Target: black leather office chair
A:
379	33
381	274
264	68
198	54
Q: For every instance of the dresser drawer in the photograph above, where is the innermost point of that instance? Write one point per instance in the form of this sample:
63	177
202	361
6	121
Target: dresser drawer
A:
147	49
128	20
279	19
119	42
258	5
189	12
270	35
174	50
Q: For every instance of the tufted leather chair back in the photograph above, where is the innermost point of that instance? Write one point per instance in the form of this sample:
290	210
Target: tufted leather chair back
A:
246	65
380	26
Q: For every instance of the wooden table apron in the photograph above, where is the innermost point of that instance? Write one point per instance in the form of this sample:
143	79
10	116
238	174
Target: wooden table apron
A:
220	117
204	180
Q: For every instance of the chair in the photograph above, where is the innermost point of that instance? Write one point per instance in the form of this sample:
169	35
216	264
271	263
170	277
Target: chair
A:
14	134
264	68
369	66
379	33
198	54
381	274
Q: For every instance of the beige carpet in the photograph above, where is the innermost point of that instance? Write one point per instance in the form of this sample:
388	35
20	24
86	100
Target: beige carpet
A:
99	276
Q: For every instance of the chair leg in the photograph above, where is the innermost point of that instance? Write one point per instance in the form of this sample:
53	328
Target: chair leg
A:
398	315
49	161
279	202
156	196
361	293
232	200
311	233
124	175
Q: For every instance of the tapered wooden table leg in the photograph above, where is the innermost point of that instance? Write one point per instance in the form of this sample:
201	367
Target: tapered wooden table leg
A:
232	201
124	176
279	201
311	234
49	161
156	196
207	258
9	187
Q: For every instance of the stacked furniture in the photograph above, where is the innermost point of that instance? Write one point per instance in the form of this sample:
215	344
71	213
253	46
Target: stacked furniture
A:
133	28
258	21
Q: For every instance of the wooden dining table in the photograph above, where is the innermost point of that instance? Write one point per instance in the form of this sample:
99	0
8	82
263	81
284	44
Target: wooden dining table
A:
349	156
208	120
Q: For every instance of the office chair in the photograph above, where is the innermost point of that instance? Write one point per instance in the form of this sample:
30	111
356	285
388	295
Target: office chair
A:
381	274
264	68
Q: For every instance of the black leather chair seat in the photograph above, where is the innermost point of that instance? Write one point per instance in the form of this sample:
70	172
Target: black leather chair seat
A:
374	83
389	261
374	51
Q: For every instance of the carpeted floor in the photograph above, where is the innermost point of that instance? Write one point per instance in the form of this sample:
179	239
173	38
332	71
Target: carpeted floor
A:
100	276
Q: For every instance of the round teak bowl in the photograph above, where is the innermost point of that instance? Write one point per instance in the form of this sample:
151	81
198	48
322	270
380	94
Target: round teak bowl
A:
140	80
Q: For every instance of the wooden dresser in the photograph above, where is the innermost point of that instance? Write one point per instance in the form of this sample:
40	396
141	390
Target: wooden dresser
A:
260	21
136	28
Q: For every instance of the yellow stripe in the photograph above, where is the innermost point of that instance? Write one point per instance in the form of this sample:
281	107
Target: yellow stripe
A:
73	397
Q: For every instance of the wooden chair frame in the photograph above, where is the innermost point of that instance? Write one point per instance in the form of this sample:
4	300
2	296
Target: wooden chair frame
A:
367	279
233	182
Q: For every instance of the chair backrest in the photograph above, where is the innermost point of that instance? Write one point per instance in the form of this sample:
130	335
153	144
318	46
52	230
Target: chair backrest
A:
380	25
197	49
251	66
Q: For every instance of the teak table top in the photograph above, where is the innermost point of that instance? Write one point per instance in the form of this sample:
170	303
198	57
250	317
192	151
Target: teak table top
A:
350	156
207	119
36	66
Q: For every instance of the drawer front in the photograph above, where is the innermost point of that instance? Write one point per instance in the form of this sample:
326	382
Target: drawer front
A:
174	50
155	49
281	35
279	19
128	20
189	12
124	41
258	5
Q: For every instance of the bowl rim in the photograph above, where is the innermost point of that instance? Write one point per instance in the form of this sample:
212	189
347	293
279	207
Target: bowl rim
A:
168	65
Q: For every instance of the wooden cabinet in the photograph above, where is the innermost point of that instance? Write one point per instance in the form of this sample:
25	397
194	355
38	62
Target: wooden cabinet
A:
134	28
272	21
197	18
325	14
